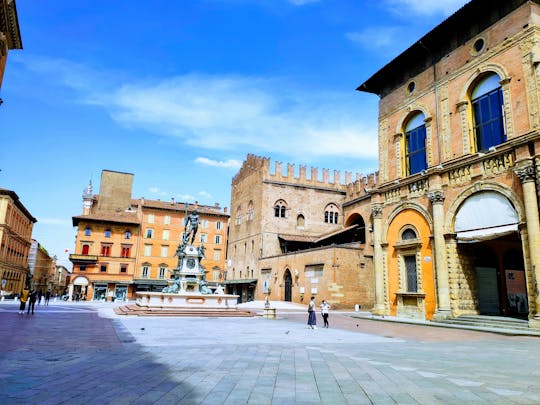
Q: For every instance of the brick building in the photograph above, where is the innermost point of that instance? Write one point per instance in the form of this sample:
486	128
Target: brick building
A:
455	210
16	225
125	245
288	237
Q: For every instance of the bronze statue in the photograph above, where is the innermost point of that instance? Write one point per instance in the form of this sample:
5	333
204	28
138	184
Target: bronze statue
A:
193	221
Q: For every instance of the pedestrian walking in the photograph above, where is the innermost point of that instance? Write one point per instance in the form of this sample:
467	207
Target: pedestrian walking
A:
23	299
312	319
32	301
47	297
325	308
39	295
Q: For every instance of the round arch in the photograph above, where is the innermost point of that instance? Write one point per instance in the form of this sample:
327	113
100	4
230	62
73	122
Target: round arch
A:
482	186
80	280
411	110
481	71
403	207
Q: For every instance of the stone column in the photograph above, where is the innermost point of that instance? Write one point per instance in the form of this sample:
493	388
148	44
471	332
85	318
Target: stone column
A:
441	269
527	178
379	308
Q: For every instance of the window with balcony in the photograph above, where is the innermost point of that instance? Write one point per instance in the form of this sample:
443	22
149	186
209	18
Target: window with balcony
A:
85	249
125	251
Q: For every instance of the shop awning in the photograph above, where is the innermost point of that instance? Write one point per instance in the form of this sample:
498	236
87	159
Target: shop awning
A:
245	281
485	216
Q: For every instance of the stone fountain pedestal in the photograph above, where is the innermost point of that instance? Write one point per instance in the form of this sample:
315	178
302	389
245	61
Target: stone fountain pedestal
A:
187	292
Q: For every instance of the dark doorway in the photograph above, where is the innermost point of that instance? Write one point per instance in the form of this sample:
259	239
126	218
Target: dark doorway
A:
500	278
288	285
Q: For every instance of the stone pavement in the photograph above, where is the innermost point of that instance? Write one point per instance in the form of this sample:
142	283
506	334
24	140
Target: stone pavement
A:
74	353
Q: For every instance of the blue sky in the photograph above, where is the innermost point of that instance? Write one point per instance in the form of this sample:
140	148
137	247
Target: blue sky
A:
179	92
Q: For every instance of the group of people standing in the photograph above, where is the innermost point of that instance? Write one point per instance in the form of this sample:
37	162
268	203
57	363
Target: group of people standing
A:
312	319
31	297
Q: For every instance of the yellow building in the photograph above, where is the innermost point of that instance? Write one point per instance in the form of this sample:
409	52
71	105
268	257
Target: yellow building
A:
16	225
455	211
10	35
124	245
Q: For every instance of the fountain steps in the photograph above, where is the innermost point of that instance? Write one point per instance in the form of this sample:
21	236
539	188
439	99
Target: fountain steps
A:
139	310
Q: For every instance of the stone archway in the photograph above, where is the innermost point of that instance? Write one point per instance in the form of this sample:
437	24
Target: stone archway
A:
287	285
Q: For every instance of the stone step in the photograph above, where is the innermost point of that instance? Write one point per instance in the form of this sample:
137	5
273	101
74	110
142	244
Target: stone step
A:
136	310
488	322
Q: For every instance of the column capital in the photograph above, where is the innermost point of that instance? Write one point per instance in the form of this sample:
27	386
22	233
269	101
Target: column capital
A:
525	173
376	210
436	196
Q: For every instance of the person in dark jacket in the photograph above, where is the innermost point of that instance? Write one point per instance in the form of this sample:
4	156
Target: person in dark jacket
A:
32	298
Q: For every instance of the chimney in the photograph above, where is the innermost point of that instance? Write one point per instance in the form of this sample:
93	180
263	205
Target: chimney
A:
172	201
224	210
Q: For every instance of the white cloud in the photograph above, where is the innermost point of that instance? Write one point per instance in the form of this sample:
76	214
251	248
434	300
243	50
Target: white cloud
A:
236	113
184	198
375	37
204	194
426	7
156	190
231	163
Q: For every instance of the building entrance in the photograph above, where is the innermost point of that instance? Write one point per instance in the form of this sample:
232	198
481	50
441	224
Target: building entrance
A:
288	286
501	287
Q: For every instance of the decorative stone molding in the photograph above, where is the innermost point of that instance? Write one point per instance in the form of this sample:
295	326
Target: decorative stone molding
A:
498	164
525	174
376	210
462	107
419	187
458	176
436	197
392	195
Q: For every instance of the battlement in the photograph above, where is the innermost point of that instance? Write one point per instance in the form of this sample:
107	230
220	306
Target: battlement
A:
363	185
261	165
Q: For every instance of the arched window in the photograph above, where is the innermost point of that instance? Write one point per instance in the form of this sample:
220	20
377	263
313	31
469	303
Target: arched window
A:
415	144
408	234
279	209
251	211
238	215
300	221
331	214
487	105
107	233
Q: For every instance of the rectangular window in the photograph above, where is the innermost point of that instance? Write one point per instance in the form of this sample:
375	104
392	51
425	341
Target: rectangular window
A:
150	218
218	225
410	267
165	234
217	239
145	272
149	233
204	223
162	272
203	238
164	251
148	250
105	250
167	220
103	268
217	255
82	268
126	250
123	268
416	149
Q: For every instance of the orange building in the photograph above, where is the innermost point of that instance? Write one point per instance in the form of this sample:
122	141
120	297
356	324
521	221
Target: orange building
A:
10	35
125	245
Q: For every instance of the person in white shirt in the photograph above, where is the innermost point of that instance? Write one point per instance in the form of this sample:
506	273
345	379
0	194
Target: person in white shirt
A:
325	307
